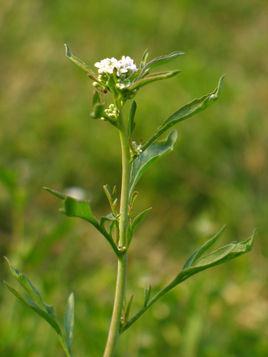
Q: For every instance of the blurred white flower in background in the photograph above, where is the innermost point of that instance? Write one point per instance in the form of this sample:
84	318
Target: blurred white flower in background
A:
76	192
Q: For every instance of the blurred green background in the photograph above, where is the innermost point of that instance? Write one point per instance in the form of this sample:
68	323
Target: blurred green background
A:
217	174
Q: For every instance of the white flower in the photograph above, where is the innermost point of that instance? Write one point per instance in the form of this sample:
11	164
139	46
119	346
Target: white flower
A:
126	64
107	65
123	66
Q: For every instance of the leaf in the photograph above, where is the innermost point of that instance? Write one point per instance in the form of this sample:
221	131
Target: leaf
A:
95	98
139	219
73	207
148	156
32	298
144	58
69	321
28	286
85	67
199	262
161	60
131	122
128	307
77	208
216	257
110	217
152	78
187	111
55	193
45	315
147	295
199	251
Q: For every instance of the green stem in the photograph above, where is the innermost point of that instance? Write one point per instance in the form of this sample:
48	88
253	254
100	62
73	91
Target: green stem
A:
114	329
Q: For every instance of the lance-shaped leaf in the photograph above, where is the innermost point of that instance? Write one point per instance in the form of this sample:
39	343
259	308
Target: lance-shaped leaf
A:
137	220
200	261
135	223
187	111
69	322
201	250
152	78
32	298
157	61
144	58
73	207
148	156
85	67
131	120
197	262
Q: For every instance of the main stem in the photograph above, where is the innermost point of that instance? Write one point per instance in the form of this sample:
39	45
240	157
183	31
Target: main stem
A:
122	260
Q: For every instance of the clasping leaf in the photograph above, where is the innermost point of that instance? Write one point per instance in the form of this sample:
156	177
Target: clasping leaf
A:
143	160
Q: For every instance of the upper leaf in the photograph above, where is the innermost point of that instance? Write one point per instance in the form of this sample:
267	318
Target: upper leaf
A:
187	111
152	78
85	67
143	160
159	61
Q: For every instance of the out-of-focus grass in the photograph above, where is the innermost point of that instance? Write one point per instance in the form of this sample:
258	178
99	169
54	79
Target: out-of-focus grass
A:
216	175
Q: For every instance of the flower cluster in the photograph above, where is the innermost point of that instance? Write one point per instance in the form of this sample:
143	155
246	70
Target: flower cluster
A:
124	66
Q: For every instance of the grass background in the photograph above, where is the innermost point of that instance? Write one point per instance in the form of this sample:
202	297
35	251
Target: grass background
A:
217	174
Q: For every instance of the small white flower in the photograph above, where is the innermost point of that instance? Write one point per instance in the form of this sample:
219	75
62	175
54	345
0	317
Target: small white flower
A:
126	64
107	65
123	66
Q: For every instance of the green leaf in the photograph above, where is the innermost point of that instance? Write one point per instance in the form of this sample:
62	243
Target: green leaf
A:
73	207
29	303
84	66
137	220
152	78
160	60
69	321
148	156
128	307
147	295
144	58
28	286
187	111
96	98
32	298
55	193
131	122
199	251
216	257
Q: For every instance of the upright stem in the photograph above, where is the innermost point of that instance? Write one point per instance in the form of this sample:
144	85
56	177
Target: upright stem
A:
122	260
